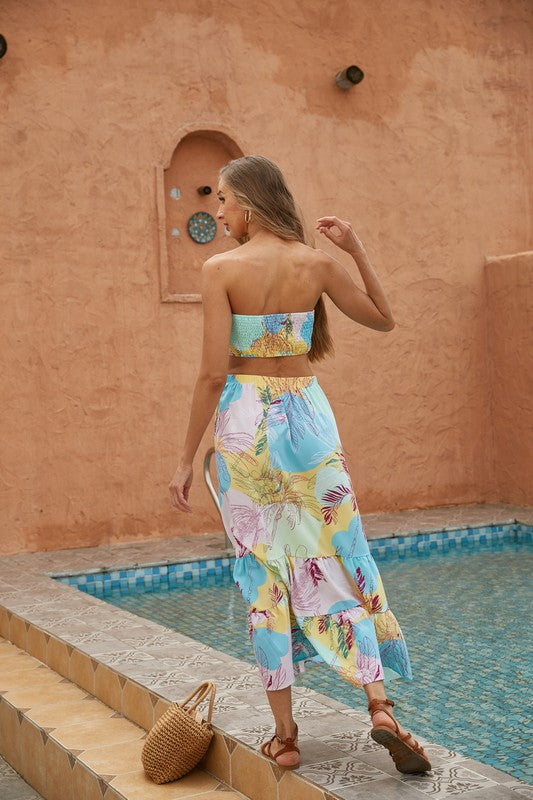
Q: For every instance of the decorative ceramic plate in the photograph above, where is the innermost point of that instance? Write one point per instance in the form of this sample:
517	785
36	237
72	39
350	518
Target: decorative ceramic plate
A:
202	227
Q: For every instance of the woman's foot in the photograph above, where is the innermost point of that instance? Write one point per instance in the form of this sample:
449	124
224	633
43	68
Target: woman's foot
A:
380	718
283	750
406	753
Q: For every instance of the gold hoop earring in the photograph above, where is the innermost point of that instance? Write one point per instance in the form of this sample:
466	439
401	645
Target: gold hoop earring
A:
247	215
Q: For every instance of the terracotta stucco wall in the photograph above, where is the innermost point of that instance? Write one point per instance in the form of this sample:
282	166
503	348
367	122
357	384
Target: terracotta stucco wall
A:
428	157
509	283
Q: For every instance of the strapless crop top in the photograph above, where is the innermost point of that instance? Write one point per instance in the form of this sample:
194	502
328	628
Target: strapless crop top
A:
266	335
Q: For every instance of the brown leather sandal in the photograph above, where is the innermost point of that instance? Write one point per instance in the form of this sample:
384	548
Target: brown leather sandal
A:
409	759
290	746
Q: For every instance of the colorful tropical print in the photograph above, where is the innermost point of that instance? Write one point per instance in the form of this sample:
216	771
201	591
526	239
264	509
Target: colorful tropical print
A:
267	335
303	564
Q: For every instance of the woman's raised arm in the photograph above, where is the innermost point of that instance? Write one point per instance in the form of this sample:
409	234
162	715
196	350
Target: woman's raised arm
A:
369	308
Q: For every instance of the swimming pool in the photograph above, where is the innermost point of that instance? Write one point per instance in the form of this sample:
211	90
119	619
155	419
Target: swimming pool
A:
464	611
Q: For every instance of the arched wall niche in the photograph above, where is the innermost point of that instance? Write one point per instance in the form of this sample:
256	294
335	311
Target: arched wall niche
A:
194	162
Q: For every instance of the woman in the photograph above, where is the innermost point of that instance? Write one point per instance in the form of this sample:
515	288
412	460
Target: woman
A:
303	564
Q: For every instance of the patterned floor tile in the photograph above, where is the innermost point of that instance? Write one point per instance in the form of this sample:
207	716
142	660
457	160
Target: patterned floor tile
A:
247	680
377	756
309	707
331	702
174	680
253	735
82	632
520	789
359	714
494	792
321	726
96	643
228	702
439	755
315	751
252	697
237	720
385	788
152	643
126	657
341	772
448	780
198	646
22	608
312	750
66	629
49	620
9	598
198	660
352	741
302	691
483	769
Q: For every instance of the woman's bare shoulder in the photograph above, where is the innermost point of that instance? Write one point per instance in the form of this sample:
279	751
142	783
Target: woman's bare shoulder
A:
322	257
219	259
306	254
318	262
298	253
220	265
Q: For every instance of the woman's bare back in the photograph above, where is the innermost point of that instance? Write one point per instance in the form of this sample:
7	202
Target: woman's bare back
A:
271	278
274	278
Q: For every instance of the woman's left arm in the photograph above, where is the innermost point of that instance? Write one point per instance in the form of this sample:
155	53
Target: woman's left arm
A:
211	375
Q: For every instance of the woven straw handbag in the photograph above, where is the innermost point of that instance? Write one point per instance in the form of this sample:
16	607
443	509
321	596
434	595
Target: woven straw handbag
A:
180	738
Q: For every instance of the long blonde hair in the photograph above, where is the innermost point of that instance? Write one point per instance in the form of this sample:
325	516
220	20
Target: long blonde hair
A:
259	187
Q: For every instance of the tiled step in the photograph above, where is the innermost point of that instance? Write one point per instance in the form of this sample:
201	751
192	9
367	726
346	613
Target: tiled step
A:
70	746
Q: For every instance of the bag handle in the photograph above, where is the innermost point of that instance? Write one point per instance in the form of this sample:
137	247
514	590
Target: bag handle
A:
202	691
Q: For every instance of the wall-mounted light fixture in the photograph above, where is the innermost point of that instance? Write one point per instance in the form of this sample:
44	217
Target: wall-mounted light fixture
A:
3	46
348	77
204	190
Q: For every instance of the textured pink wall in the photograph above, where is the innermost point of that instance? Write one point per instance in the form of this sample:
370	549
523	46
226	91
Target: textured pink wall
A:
428	157
509	283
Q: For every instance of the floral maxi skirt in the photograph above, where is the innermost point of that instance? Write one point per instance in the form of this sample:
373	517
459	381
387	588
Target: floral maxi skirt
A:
303	565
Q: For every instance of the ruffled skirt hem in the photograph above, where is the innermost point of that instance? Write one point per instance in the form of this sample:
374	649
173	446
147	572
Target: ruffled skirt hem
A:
294	623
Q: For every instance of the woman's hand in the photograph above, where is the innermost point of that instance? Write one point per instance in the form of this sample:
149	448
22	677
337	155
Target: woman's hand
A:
344	236
179	487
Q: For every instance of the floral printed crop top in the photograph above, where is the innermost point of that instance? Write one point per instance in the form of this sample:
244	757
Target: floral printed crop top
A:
266	335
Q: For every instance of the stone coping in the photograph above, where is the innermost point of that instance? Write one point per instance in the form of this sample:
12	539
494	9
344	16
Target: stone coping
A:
211	545
137	667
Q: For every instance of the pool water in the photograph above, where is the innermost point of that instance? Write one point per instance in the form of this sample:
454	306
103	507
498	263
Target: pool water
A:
466	616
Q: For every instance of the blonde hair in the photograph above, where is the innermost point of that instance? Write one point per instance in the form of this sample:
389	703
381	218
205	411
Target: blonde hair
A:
259	187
